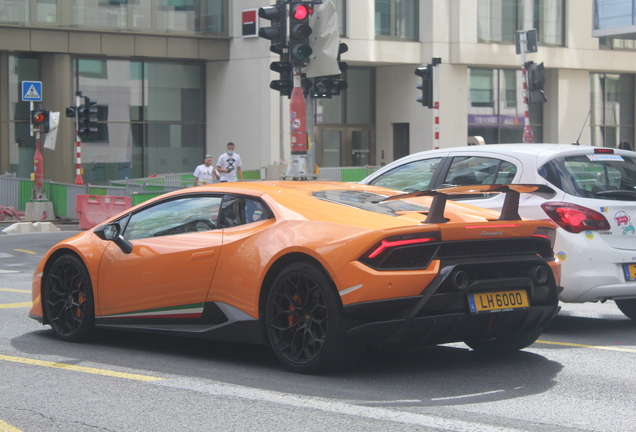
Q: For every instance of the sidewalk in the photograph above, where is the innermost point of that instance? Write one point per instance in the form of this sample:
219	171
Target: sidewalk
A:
63	225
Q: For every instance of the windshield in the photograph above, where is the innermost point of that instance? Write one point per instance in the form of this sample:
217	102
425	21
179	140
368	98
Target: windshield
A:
607	176
364	201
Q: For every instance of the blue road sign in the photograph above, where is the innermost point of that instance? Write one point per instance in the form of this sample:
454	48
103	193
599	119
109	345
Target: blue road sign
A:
32	91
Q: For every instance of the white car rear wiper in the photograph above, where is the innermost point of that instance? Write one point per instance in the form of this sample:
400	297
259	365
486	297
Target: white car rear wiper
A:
624	193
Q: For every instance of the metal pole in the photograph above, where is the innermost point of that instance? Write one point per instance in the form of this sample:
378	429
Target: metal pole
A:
79	180
528	137
436	74
281	128
311	148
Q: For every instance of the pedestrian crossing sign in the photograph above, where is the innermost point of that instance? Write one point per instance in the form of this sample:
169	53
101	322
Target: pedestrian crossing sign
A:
32	91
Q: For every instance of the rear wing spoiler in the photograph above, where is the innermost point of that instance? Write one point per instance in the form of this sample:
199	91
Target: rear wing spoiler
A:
509	211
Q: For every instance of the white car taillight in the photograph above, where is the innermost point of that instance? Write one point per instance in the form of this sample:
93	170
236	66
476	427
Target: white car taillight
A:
575	218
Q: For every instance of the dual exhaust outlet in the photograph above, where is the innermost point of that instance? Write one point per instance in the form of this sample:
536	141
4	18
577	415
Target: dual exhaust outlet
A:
460	280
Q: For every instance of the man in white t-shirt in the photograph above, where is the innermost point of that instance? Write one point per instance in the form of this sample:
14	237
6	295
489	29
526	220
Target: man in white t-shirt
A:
205	173
229	164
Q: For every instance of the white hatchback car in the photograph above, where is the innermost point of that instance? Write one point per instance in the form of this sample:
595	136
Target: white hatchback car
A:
593	207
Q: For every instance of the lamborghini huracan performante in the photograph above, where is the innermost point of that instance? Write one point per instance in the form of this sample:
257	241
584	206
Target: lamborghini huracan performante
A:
316	270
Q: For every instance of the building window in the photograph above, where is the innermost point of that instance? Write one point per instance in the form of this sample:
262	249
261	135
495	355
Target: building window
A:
496	109
498	20
354	105
341	10
151	117
616	44
190	17
396	19
345	124
612	101
610	14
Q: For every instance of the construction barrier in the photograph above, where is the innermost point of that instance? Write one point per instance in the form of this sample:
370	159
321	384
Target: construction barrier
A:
94	209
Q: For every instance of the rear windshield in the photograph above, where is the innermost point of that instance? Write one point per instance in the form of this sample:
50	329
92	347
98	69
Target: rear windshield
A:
607	176
364	201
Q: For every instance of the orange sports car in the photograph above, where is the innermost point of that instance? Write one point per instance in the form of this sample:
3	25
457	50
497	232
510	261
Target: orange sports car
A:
317	270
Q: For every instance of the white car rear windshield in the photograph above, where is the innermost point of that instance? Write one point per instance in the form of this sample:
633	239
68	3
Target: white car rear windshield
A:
606	176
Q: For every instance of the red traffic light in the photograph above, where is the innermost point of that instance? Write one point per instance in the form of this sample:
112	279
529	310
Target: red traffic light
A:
39	117
301	11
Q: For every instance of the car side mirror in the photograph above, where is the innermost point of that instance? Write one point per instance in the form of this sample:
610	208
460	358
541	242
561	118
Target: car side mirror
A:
112	232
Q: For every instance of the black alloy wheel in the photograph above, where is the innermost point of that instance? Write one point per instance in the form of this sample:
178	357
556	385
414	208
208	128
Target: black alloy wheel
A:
304	321
628	307
68	299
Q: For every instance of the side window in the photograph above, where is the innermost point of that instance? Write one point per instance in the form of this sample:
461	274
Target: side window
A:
470	170
178	216
506	173
413	176
236	210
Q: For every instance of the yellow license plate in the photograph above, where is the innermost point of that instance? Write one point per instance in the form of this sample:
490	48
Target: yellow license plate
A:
497	301
630	271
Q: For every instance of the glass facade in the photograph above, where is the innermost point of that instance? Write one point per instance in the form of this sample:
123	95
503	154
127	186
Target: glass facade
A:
354	105
612	103
498	20
496	109
345	124
192	17
396	19
151	117
614	13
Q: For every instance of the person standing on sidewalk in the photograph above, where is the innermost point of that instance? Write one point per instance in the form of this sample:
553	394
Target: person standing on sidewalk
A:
205	173
229	164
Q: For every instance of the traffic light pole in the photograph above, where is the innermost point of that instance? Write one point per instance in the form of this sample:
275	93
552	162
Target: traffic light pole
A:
78	142
39	207
436	78
38	162
299	168
528	137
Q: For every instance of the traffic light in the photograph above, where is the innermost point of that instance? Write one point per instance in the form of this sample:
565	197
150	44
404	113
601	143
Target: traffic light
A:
70	111
85	117
277	33
536	80
342	48
40	118
284	85
326	87
299	31
331	85
426	72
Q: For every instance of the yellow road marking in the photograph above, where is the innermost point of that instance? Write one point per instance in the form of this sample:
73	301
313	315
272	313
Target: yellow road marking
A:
608	348
25	251
15	305
6	427
84	369
14	290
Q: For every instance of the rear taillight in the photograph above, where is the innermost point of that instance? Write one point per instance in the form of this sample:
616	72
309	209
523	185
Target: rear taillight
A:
575	218
545	233
401	240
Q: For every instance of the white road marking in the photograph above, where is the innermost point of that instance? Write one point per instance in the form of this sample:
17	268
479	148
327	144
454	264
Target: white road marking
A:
9	271
6	255
331	406
468	395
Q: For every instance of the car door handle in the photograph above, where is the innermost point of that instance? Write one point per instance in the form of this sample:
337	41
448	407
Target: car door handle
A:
202	255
